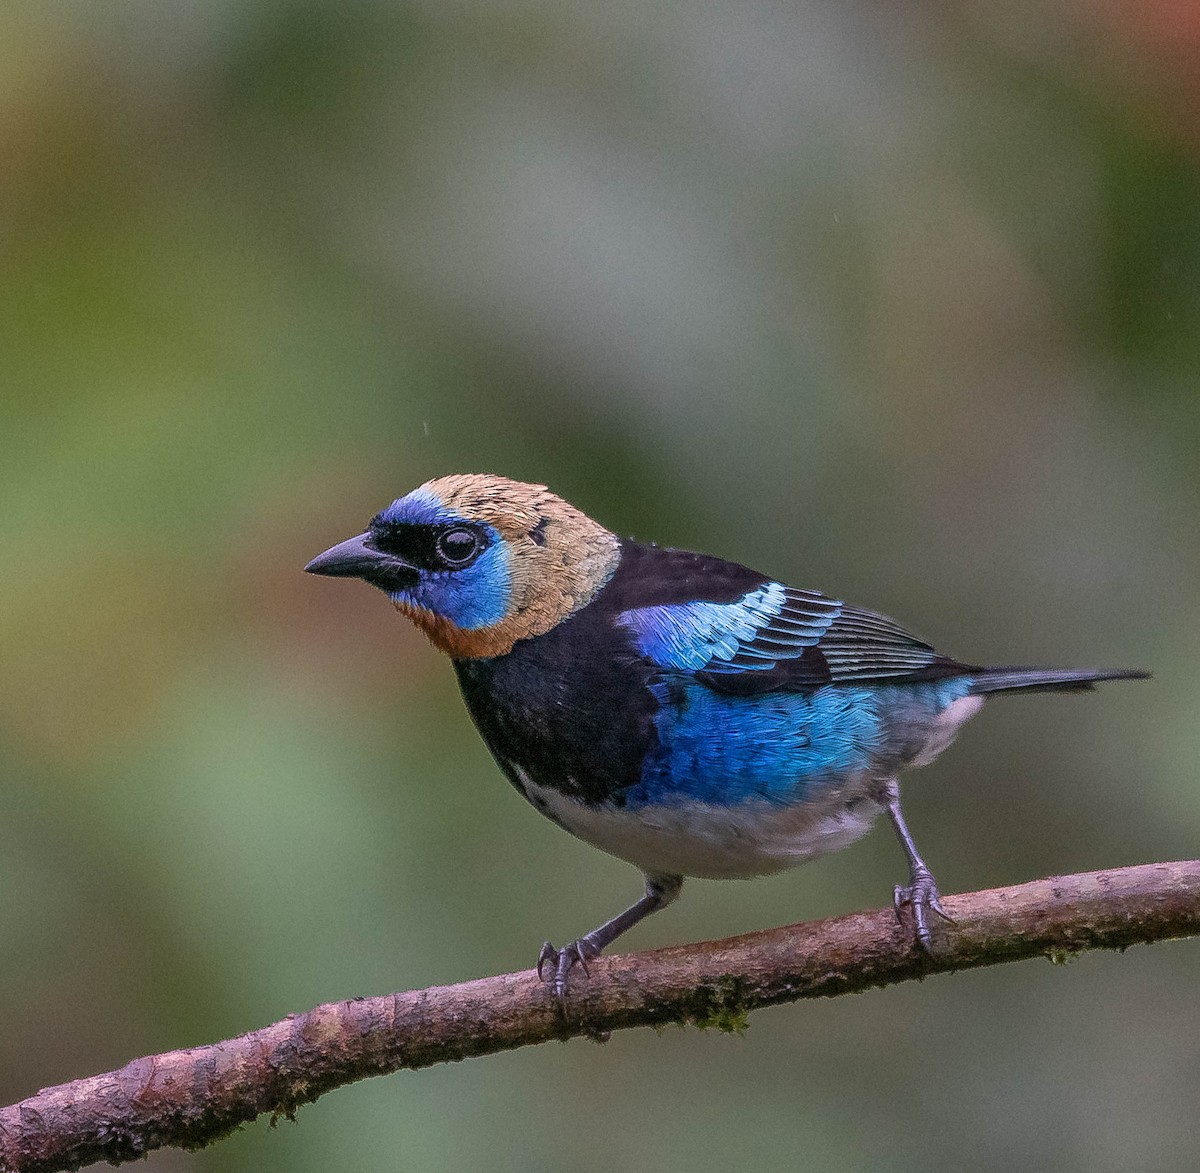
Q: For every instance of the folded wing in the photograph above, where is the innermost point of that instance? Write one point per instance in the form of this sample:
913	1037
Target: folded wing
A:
776	637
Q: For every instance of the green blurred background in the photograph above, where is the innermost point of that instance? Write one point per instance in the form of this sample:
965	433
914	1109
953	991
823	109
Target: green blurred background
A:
899	301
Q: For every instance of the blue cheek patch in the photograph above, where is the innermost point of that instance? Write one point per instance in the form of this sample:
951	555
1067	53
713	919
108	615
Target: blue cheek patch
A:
474	597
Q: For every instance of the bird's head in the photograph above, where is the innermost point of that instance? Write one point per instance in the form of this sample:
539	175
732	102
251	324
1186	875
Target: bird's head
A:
479	562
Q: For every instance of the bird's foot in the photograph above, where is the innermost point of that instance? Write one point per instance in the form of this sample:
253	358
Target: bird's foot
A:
921	896
554	965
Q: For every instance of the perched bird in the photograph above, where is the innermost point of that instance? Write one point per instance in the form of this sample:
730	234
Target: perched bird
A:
686	714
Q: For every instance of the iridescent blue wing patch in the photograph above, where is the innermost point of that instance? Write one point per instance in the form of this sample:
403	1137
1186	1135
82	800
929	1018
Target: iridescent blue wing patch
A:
701	634
777	637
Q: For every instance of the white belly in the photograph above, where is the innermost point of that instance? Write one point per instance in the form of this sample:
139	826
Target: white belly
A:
752	838
946	726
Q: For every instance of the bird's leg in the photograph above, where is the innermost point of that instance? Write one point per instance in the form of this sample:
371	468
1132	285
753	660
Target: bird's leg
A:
922	892
660	891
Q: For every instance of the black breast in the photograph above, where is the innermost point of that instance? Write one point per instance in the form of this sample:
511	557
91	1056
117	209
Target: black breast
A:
571	708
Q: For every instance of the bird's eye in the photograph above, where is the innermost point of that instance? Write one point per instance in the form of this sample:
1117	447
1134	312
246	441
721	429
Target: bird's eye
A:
457	547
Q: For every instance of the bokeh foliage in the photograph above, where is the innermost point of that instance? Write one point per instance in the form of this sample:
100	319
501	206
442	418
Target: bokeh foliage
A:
901	302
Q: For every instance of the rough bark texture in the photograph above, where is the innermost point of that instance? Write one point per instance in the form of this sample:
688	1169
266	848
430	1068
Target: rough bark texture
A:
189	1098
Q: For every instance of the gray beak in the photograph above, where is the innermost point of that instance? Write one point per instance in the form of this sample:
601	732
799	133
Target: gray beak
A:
353	558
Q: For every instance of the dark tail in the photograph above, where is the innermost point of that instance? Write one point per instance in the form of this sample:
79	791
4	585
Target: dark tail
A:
1047	679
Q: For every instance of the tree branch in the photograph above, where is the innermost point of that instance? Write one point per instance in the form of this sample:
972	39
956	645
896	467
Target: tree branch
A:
189	1098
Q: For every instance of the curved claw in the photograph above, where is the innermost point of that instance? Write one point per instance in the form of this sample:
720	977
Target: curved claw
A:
936	904
548	953
921	896
561	962
580	949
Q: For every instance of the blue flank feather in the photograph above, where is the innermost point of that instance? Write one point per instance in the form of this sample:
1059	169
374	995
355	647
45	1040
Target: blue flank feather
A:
781	746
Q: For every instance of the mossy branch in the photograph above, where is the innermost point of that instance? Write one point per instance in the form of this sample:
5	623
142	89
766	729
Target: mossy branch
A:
190	1098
